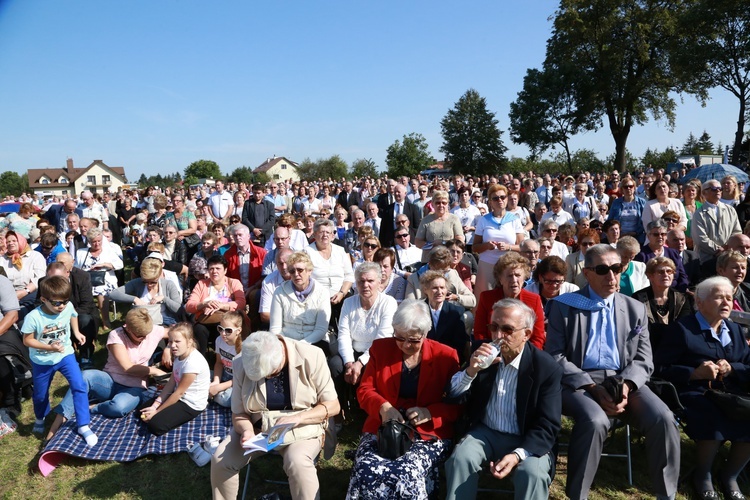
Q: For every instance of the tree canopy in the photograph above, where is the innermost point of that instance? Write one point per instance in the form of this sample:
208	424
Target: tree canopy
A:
364	168
242	174
203	169
322	168
12	184
408	157
471	137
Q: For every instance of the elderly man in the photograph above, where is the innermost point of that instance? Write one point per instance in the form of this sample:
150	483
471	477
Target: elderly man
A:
399	208
514	406
92	209
244	260
530	249
713	223
601	340
348	197
737	242
221	202
271	283
279	202
351	237
372	219
676	240
259	215
282	239
57	215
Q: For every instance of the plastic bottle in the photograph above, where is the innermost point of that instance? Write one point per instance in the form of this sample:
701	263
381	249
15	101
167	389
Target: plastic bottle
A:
486	361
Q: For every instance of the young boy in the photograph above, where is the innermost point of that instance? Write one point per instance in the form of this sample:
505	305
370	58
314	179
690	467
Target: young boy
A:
46	331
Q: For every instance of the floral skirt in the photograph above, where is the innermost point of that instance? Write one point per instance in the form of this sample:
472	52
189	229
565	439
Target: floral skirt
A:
414	475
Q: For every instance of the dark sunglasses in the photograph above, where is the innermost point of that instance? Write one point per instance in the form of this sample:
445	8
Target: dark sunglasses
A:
58	303
402	236
369	245
498	198
603	270
671	220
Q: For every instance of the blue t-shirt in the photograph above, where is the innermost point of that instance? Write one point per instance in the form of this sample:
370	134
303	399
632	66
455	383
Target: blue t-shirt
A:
49	328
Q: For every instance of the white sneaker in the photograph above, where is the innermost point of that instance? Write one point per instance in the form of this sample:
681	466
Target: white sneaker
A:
211	444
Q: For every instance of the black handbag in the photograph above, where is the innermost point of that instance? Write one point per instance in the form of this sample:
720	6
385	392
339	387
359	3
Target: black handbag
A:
97	277
395	439
734	406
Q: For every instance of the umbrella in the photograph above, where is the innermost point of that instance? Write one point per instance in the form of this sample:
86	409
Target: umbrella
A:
714	171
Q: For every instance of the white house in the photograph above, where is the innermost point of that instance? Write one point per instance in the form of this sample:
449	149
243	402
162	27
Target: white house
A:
278	168
70	181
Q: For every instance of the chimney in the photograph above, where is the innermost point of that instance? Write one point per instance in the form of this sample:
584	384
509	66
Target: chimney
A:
69	165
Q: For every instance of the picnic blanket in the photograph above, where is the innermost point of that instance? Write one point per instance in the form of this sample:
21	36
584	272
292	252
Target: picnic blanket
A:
126	439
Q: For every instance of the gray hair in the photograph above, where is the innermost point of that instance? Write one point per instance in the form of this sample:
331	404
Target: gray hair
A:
93	233
412	316
367	267
323	222
261	355
661	223
627	243
547	224
237	227
528	314
525	244
597	252
711	183
707	286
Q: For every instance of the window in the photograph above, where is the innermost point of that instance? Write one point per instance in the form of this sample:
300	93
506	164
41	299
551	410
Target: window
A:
63	180
276	176
45	180
106	179
91	179
283	166
65	192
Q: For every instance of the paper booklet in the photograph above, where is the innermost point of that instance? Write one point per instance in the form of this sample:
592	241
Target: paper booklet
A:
267	441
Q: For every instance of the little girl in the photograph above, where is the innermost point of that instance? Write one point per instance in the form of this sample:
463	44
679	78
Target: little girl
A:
186	394
228	345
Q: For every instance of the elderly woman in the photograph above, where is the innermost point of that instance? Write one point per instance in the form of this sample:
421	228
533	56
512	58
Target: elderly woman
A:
187	224
708	350
24	221
364	317
447	318
211	298
733	266
664	304
301	307
440	259
392	284
511	271
438	227
277	380
416	398
497	232
116	390
656	233
633	276
660	202
549	279
586	239
545	247
23	267
159	217
100	258
152	292
629	209
550	229
581	205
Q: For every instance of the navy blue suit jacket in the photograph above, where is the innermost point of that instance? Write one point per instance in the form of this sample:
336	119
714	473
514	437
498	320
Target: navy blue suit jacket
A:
680	282
450	329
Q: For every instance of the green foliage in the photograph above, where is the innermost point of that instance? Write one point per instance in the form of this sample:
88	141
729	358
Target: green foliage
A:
698	146
471	137
322	168
585	160
13	184
203	169
241	174
622	53
162	181
364	168
657	159
408	157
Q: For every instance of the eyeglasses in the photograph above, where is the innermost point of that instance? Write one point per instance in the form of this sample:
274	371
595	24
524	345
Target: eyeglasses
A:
548	230
714	189
545	247
277	238
227	331
498	198
46	248
556	282
402	340
628	186
150	282
297	270
530	252
57	303
404	221
504	329
603	270
422	191
370	245
664	271
587	244
658	235
402	236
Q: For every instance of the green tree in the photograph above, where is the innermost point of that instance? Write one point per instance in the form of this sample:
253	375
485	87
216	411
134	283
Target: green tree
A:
691	145
623	53
203	169
241	174
11	184
408	157
471	138
322	168
719	52
543	115
705	146
364	168
657	159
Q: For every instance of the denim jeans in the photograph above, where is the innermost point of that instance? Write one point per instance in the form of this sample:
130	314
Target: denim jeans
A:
115	400
77	402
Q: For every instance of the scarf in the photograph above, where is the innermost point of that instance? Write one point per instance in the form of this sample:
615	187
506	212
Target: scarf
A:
23	249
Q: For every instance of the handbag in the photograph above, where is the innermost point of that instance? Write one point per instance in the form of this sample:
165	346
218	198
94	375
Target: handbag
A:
97	277
734	406
395	438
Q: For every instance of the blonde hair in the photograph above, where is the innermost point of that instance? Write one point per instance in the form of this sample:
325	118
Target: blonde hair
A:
186	329
139	322
151	269
235	319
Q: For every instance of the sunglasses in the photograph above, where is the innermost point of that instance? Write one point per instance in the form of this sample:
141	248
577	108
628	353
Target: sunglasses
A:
498	198
504	329
714	189
297	270
628	186
369	245
402	236
401	340
603	270
554	282
227	331
57	303
550	231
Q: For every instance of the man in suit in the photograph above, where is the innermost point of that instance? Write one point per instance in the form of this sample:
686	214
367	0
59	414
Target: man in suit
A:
400	206
387	198
57	215
348	196
713	223
259	215
513	428
677	241
596	334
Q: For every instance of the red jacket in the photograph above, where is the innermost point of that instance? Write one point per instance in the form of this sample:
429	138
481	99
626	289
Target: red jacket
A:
483	314
381	382
257	254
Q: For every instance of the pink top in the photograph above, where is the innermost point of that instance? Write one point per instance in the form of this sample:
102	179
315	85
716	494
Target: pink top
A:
139	354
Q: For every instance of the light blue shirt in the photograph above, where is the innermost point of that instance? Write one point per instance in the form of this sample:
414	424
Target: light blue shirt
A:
602	352
278	201
722	336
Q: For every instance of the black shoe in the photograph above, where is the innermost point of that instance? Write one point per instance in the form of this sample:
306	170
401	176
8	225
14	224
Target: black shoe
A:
707	495
732	494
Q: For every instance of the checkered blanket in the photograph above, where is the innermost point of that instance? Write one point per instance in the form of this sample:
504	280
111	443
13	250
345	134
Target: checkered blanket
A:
127	439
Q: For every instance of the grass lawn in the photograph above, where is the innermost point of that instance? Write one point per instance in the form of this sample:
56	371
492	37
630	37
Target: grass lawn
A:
178	477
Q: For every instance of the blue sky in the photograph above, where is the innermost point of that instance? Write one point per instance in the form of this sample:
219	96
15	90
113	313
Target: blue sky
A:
155	85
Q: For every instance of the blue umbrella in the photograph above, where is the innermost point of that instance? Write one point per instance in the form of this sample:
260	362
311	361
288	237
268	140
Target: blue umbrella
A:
714	171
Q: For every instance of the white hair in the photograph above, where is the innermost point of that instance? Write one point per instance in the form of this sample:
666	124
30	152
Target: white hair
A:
262	353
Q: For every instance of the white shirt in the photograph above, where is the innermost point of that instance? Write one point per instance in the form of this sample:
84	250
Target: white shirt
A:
196	395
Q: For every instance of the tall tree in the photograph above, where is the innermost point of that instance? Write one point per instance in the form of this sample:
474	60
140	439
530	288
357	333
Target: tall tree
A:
720	52
691	145
705	145
242	174
408	157
364	168
623	54
471	138
656	159
12	184
544	114
203	169
322	168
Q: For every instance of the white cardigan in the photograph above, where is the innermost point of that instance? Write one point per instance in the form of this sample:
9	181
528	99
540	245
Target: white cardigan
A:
306	321
359	328
331	273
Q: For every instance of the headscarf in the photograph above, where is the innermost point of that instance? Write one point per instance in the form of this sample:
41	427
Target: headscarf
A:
23	249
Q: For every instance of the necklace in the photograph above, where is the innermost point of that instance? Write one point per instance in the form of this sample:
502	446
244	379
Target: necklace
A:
661	310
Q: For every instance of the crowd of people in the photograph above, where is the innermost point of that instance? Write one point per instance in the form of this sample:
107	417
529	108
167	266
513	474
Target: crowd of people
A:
475	310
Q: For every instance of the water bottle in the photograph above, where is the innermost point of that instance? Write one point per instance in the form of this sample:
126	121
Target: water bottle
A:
486	361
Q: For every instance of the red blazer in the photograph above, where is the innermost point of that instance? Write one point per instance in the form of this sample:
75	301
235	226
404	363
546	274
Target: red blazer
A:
381	382
483	314
257	254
